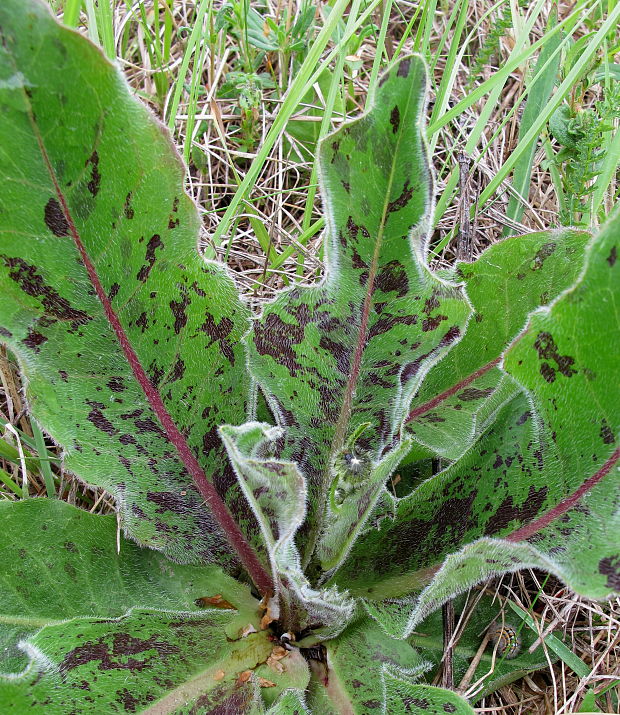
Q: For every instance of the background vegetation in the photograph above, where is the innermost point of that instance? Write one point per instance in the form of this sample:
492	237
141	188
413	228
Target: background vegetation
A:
523	131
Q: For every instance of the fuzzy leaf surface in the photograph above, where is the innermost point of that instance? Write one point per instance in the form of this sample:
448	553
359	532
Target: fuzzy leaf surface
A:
544	476
357	660
403	698
107	632
146	661
276	492
129	342
59	562
505	284
352	350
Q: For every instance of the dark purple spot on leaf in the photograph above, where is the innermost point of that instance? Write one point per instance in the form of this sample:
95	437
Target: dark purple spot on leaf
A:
395	119
218	332
32	284
98	419
610	567
95	176
34	340
55	219
178	310
154	243
402	200
473	393
116	384
508	512
612	257
127	208
404	67
543	253
429	324
606	432
177	371
393	277
276	338
547	350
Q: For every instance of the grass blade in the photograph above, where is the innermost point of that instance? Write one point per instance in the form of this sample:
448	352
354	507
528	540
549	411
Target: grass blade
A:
539	95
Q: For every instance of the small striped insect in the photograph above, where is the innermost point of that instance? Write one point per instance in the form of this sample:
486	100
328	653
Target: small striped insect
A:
506	638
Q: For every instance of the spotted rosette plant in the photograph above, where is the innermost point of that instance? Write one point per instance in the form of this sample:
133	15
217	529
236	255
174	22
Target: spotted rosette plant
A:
280	566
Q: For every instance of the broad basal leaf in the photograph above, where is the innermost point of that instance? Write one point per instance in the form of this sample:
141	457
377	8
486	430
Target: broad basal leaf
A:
340	361
127	339
103	632
59	562
508	281
544	477
147	661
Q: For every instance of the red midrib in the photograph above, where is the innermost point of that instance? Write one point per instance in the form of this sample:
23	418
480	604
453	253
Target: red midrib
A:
528	530
218	508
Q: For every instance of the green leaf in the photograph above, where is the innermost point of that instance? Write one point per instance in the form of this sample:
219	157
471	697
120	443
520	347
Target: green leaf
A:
566	361
544	477
276	492
118	632
497	483
403	698
501	471
59	563
146	658
291	702
128	340
340	361
358	660
509	280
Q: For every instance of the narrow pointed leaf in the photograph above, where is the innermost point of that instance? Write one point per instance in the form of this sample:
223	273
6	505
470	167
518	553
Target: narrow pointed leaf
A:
128	340
352	350
276	492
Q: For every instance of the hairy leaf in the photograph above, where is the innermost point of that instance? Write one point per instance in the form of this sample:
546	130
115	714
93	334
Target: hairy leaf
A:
291	702
128	340
544	477
59	562
508	281
100	631
340	361
146	660
357	661
276	491
403	698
